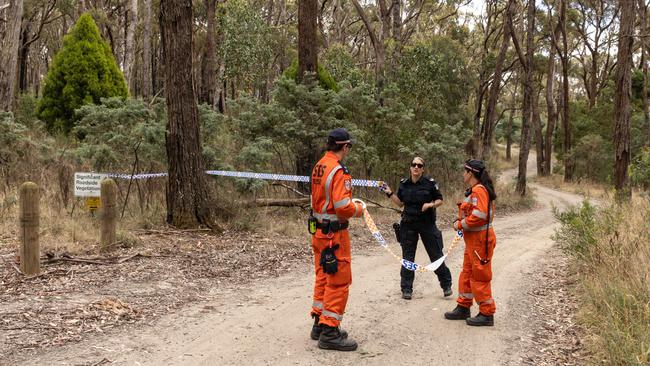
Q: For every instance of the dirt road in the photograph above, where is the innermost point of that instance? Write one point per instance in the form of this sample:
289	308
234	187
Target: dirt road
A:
268	323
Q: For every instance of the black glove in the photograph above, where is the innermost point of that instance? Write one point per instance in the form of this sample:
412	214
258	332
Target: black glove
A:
328	260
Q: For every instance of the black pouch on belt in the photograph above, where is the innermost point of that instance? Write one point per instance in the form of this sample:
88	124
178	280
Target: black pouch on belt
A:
397	228
328	260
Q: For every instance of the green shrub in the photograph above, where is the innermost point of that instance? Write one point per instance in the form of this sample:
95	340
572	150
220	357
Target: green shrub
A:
593	158
640	169
82	72
578	228
325	80
111	131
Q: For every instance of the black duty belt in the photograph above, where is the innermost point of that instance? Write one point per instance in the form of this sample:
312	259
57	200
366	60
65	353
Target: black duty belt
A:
332	226
415	218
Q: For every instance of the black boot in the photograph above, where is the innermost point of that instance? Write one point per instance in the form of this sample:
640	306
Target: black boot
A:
331	338
447	291
481	320
407	294
459	313
316	329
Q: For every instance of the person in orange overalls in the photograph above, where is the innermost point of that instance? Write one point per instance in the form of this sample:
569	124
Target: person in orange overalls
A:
475	220
332	206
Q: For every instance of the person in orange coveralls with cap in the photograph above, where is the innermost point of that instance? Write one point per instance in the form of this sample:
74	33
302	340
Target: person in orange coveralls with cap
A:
332	206
477	212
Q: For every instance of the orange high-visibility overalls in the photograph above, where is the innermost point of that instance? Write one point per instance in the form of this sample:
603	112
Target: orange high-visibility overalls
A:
475	277
331	186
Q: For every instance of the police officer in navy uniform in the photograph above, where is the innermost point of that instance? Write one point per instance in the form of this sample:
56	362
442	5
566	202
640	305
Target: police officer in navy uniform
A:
420	196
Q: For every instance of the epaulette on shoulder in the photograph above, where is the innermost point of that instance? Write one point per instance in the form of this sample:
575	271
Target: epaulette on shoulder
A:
403	180
435	184
345	169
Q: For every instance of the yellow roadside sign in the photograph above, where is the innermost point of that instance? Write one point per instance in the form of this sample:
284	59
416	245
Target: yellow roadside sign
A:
93	203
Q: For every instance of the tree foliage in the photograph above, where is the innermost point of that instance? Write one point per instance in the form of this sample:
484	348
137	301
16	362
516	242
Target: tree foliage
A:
83	72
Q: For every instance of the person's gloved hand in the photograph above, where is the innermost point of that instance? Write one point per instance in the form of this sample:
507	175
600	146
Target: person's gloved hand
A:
385	189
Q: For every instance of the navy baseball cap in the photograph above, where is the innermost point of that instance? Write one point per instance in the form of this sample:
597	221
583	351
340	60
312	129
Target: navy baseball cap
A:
474	165
341	136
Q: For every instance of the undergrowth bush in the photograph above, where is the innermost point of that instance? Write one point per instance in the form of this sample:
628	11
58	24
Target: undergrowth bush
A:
611	251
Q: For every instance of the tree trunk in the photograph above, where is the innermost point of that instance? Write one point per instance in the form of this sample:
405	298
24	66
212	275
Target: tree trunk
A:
566	123
9	54
509	124
397	23
23	55
129	51
221	85
644	67
397	35
321	27
476	135
539	137
380	51
491	110
188	197
307	63
622	108
146	53
509	136
482	84
209	59
307	46
551	110
529	92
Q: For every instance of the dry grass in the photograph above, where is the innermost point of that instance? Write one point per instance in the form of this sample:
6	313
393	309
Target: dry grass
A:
582	187
612	251
509	201
500	163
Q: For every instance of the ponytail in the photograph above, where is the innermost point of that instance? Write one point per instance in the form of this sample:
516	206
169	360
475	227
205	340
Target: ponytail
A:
486	181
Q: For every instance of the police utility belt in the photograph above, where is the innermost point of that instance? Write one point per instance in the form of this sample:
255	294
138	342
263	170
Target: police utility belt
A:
326	226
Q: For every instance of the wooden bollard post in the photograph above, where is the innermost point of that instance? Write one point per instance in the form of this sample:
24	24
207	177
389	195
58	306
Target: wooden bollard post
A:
30	263
108	213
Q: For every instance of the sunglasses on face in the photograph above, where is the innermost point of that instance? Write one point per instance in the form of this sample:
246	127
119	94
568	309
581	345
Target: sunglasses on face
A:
413	165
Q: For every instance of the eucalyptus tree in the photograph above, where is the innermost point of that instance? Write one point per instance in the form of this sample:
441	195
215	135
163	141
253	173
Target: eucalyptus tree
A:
622	106
189	199
10	25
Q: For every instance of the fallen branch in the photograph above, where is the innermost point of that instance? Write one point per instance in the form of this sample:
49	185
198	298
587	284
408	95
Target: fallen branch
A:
289	188
16	268
382	206
127	258
76	260
99	260
171	231
280	202
102	361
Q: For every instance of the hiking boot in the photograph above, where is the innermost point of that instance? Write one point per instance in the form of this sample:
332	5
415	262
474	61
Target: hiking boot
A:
447	291
481	320
459	313
331	338
316	329
407	295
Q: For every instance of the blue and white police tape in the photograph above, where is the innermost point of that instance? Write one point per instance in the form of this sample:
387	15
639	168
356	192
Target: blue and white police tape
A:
438	262
249	175
411	266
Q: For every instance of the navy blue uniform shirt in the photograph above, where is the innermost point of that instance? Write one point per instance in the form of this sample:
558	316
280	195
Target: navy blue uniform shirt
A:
414	195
